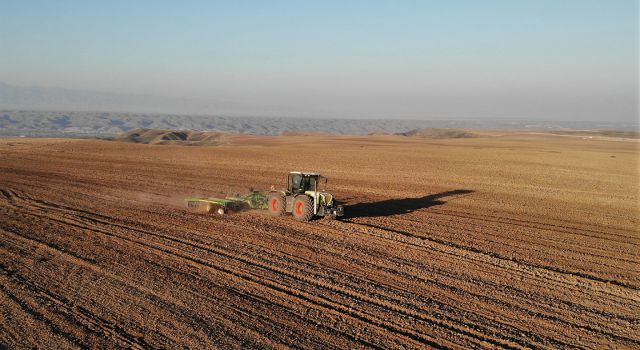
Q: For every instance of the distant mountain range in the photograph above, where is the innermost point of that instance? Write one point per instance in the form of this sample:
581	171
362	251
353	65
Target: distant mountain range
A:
73	124
39	111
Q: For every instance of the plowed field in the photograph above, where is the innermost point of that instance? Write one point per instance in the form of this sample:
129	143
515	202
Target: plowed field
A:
512	241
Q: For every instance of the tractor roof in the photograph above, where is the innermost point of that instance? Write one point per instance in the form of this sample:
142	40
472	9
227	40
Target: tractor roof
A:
305	173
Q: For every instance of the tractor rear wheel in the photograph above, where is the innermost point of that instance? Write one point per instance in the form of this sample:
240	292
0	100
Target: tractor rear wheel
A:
302	208
276	204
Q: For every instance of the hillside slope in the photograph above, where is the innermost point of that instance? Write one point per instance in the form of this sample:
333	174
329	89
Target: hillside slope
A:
173	137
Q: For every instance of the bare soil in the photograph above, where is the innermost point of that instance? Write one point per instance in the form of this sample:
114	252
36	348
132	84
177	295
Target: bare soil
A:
512	241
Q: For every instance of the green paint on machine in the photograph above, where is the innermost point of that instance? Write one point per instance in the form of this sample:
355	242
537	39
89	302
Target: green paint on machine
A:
253	200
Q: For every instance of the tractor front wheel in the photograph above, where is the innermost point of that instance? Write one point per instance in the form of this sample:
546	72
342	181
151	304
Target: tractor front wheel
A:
276	204
302	208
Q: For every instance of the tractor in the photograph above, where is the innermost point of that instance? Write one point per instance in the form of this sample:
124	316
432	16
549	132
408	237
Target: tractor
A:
303	199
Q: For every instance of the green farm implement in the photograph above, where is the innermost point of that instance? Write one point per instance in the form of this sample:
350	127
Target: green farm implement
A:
221	206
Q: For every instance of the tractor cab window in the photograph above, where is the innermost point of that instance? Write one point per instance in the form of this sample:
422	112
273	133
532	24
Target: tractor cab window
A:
297	183
300	183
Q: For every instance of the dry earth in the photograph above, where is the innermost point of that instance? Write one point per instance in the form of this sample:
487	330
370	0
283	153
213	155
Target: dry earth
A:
516	241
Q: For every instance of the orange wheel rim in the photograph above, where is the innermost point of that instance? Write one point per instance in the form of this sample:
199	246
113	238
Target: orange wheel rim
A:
274	204
299	206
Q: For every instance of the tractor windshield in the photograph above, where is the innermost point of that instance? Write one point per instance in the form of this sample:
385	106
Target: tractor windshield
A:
296	183
300	183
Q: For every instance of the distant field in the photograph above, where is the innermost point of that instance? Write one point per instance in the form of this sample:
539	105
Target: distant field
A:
504	240
608	133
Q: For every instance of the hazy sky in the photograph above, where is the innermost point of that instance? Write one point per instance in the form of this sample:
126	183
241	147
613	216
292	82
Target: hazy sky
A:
566	60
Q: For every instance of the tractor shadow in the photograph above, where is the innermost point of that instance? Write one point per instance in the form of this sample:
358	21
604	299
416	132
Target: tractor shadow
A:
399	206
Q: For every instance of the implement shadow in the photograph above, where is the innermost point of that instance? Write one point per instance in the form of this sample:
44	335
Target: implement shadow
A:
398	206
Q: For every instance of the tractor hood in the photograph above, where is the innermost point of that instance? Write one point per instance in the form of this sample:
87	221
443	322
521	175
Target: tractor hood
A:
324	198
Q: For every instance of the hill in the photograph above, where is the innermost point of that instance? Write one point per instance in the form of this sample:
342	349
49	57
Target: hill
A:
173	137
435	133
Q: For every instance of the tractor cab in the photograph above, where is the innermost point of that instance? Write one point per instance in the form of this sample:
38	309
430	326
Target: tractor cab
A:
300	182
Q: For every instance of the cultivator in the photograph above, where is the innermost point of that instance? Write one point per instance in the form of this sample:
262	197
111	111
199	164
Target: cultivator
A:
221	206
